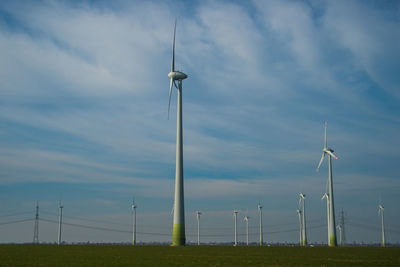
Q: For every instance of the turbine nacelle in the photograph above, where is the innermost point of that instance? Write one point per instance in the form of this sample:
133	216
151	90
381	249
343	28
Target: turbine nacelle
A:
328	149
235	212
380	209
177	75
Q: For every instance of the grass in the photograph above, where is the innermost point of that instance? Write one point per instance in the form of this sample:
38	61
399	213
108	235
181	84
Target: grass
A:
115	255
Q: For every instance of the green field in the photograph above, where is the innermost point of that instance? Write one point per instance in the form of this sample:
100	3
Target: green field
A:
115	255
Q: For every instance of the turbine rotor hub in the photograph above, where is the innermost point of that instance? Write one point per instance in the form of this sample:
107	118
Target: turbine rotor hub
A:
177	75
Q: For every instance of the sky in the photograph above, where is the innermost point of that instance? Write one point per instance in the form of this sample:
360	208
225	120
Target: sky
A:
84	102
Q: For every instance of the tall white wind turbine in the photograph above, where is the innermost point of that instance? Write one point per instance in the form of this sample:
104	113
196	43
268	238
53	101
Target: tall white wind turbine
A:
303	200
300	227
133	222
178	236
59	222
261	225
198	213
235	212
380	211
246	219
332	241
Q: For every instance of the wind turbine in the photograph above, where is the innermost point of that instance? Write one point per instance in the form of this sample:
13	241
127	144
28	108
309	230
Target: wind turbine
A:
380	211
59	222
261	227
301	228
339	227
246	219
303	200
198	213
235	212
326	196
178	236
133	222
331	220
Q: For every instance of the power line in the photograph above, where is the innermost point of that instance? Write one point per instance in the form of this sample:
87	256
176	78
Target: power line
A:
15	214
86	219
374	228
17	221
166	234
87	226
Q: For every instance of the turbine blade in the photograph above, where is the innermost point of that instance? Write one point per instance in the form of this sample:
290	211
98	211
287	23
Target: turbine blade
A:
320	162
325	141
169	98
330	153
173	51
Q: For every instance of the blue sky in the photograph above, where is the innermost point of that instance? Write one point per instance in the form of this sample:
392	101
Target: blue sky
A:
83	114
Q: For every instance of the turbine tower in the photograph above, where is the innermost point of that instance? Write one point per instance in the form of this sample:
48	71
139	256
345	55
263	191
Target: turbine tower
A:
380	211
36	228
300	227
339	227
261	227
178	236
198	213
133	222
246	219
235	212
331	221
326	196
59	222
303	200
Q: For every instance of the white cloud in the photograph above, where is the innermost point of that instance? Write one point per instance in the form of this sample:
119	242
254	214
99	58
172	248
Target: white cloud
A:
370	36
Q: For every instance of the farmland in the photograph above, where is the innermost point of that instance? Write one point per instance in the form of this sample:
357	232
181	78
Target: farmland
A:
119	255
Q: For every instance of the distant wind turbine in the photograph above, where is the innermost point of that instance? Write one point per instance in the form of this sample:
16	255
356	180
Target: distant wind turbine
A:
300	227
59	222
235	212
339	227
198	213
261	226
133	222
178	235
303	200
331	220
380	211
246	219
